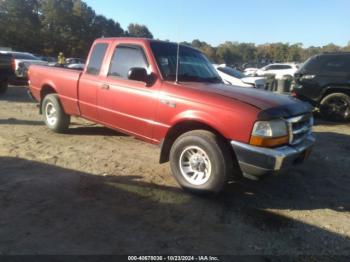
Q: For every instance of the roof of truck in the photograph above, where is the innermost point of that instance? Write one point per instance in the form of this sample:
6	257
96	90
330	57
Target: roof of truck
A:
138	40
133	39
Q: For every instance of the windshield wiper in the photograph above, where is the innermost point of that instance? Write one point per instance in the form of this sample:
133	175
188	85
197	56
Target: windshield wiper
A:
213	80
191	78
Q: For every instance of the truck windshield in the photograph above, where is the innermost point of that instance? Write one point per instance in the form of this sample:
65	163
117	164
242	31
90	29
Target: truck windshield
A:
193	65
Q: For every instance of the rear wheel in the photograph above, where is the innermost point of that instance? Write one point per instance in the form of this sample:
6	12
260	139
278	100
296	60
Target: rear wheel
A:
55	118
201	162
336	107
3	87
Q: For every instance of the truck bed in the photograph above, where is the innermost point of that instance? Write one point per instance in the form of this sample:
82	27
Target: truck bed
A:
64	81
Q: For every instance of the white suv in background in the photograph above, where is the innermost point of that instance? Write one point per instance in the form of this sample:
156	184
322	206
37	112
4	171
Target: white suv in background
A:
278	69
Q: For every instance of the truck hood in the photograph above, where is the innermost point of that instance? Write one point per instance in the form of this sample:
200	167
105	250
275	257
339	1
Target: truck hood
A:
271	105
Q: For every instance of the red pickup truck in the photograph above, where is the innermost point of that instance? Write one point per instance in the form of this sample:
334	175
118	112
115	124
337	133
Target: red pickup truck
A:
171	96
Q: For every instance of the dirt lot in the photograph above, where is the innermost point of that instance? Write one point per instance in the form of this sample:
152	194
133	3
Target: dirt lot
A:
95	191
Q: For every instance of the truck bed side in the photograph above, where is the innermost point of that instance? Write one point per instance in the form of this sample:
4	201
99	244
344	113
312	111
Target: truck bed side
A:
64	82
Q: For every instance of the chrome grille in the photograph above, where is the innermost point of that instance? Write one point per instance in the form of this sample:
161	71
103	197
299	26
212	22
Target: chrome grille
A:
299	128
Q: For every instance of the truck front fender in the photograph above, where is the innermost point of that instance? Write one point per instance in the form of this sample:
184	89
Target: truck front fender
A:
200	117
185	122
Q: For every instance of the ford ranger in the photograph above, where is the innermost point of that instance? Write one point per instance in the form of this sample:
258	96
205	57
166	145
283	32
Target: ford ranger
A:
170	95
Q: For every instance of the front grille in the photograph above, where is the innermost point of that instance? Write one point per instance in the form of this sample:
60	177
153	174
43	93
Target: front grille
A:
299	128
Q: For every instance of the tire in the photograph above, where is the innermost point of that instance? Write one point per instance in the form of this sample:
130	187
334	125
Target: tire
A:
54	116
3	87
201	162
336	107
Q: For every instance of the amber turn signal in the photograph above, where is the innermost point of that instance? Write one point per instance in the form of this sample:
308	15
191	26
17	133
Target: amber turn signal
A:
269	141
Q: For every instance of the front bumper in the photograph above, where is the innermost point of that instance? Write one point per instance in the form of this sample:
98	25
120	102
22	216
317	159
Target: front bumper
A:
257	161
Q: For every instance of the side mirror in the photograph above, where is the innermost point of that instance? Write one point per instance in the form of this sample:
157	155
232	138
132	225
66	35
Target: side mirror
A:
138	74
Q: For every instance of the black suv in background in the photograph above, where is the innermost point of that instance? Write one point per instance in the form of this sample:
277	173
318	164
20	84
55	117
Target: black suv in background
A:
324	81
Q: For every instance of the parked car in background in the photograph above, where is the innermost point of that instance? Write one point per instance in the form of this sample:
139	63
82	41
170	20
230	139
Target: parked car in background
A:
248	68
76	66
22	61
250	71
70	63
279	70
234	77
75	63
6	71
324	81
48	59
71	60
206	129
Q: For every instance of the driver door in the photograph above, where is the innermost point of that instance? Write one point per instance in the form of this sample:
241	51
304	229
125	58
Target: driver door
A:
125	104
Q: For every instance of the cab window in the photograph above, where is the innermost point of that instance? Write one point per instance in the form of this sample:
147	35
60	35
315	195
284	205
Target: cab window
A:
126	57
96	59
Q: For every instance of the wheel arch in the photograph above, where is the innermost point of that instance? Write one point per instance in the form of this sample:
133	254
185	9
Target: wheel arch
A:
183	127
46	90
334	89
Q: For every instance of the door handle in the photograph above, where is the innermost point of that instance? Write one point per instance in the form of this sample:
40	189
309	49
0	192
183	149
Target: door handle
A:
105	86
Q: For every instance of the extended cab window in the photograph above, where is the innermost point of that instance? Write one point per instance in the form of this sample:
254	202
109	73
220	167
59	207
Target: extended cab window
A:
96	59
126	57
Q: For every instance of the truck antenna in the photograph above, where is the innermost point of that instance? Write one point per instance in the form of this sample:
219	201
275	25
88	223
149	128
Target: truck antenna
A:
177	63
178	47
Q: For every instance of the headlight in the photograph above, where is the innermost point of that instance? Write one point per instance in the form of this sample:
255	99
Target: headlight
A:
308	77
270	133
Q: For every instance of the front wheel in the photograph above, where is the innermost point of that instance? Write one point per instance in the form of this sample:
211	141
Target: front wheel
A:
336	107
55	118
201	162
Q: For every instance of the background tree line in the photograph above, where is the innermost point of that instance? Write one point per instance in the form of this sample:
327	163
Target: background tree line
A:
50	26
238	53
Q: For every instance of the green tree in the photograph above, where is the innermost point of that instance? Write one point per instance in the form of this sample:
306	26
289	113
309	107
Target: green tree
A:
52	26
136	30
229	53
263	52
20	25
207	49
295	52
248	52
330	48
347	48
71	26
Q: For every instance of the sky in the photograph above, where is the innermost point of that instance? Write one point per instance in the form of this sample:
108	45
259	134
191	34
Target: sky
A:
310	22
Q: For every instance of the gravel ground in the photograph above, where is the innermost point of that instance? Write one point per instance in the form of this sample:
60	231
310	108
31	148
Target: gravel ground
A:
95	191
